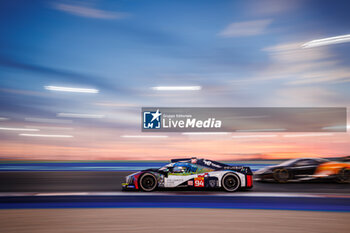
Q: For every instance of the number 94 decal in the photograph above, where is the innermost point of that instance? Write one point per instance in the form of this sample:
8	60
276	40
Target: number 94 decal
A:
199	182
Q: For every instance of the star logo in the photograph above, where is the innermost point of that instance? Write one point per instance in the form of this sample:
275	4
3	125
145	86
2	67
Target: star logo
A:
156	115
152	120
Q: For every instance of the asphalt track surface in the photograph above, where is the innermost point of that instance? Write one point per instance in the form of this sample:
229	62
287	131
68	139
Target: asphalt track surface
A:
98	181
170	220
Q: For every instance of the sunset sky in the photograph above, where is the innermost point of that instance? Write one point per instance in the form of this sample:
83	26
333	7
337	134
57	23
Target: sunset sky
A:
241	54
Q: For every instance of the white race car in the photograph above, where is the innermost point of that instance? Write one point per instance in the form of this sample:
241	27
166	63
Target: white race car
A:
191	173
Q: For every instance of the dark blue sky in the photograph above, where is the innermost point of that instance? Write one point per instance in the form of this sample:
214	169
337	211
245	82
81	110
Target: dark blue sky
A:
125	47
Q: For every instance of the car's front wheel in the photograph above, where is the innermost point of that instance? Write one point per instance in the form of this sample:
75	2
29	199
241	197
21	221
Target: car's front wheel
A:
148	182
230	182
281	175
344	176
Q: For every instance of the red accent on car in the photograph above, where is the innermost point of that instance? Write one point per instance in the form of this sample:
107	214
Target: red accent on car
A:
204	175
249	180
136	183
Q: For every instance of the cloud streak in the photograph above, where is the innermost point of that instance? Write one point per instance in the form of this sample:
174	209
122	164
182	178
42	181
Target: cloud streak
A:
246	28
88	12
327	41
304	66
54	74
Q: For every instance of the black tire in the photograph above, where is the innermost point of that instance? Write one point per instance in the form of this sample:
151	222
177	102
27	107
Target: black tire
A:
230	182
281	175
148	182
344	175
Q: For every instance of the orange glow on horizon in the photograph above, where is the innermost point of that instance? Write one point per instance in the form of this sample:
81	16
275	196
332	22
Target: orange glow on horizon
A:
217	149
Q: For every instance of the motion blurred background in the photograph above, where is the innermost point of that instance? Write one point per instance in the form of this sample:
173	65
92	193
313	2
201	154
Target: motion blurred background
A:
75	74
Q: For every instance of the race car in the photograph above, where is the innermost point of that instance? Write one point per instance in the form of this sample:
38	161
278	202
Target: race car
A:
305	169
191	173
294	169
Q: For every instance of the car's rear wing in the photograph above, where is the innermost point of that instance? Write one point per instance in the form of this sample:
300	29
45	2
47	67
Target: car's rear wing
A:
241	169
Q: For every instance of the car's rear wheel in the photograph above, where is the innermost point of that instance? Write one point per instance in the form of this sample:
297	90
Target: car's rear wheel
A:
281	175
148	182
344	175
230	182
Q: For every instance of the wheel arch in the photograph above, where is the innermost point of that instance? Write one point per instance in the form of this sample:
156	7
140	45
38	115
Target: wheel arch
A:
231	174
221	174
148	173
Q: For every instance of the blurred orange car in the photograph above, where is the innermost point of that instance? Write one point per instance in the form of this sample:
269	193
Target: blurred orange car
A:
340	171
